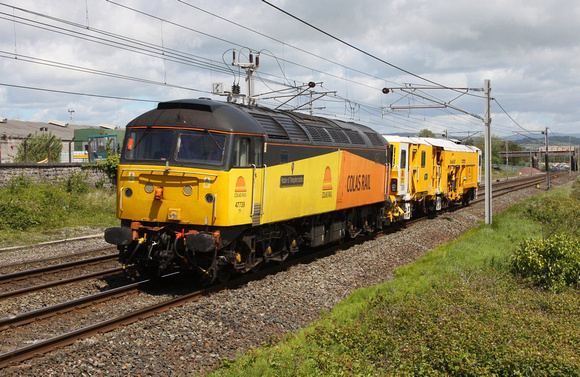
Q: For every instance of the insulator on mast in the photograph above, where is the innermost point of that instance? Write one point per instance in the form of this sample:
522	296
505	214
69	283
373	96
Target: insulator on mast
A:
257	61
235	89
233	61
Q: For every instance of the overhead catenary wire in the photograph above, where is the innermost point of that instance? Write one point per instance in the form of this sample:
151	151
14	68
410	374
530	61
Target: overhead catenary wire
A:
162	52
77	93
125	40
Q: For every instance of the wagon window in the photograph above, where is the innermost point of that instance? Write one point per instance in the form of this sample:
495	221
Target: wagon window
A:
403	159
423	158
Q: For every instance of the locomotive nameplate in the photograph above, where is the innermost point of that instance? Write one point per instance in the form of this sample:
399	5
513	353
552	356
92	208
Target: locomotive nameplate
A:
292	180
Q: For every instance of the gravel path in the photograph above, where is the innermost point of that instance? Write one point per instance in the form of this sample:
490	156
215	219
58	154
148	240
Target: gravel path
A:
194	338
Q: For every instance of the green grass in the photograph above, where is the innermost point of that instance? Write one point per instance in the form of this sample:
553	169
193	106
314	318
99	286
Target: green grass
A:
457	311
32	213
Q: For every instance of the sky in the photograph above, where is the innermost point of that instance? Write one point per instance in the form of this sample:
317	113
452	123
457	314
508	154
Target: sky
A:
98	62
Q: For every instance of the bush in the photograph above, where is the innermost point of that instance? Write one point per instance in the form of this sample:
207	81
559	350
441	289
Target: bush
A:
37	148
575	191
26	206
555	213
551	263
109	165
18	183
17	216
77	183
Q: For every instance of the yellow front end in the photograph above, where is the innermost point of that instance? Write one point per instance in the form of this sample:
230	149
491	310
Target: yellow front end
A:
184	196
461	173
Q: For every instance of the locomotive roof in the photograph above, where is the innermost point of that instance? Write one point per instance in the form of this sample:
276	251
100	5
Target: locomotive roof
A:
447	145
278	126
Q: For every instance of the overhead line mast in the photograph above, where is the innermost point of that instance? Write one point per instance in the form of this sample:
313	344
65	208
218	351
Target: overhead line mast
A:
486	120
250	68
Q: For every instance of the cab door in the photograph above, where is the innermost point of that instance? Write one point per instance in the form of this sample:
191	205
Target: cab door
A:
403	175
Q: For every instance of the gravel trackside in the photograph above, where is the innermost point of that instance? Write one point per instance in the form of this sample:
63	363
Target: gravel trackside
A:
193	338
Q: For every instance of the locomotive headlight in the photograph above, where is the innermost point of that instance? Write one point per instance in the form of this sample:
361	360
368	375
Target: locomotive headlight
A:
128	192
149	188
174	214
209	198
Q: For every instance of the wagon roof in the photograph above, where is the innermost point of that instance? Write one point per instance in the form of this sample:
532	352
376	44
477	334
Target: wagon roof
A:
447	145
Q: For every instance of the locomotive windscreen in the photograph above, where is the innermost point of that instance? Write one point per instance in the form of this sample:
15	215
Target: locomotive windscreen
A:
183	146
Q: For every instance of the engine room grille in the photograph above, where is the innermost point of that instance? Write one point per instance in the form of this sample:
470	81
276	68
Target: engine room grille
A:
376	139
272	128
355	137
292	128
318	133
338	135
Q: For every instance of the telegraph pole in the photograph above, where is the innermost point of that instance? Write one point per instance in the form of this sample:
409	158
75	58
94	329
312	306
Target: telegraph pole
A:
487	154
547	163
507	159
570	150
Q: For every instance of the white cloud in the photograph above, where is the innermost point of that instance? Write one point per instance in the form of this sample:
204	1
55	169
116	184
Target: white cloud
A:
528	49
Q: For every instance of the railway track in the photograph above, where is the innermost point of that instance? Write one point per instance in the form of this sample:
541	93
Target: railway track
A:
506	186
66	338
11	283
67	308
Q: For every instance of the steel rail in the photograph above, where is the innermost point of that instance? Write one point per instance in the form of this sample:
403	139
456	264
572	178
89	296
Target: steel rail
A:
55	267
34	288
59	341
69	338
64	307
48	345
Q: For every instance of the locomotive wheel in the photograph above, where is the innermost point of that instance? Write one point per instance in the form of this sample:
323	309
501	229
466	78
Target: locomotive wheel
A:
223	274
150	272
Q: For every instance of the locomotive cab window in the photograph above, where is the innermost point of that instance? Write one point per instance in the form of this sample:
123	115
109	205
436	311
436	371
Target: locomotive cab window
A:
403	161
200	147
423	158
284	157
148	144
258	148
242	152
247	152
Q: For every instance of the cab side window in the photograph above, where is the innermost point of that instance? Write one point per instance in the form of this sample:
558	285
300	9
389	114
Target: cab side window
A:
258	147
248	152
242	152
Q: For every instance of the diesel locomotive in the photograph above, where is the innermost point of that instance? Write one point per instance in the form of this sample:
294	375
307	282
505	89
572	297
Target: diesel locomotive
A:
216	187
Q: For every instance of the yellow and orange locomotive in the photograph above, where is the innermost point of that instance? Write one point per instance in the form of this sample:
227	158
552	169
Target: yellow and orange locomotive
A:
216	187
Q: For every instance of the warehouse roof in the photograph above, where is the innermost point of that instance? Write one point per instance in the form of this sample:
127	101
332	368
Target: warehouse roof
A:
11	129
